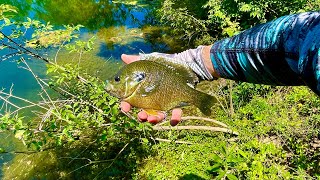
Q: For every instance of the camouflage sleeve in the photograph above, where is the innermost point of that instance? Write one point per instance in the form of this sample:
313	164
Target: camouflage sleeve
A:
284	51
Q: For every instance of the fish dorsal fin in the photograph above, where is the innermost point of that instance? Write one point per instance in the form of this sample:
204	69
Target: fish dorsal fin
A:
181	69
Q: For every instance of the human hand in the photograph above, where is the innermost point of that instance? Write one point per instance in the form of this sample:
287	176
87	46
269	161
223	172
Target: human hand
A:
197	59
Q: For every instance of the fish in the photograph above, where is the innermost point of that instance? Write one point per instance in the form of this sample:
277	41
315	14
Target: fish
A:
158	85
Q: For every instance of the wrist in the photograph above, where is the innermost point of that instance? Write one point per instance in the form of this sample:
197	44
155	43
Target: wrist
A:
207	61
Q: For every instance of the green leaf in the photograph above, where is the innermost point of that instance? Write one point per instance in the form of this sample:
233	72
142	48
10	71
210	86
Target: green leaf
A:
223	150
216	167
245	8
68	106
145	140
243	154
221	175
112	101
232	177
7	21
19	134
217	159
103	137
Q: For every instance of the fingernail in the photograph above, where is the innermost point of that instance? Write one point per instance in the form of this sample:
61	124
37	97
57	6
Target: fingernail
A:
153	119
142	120
174	122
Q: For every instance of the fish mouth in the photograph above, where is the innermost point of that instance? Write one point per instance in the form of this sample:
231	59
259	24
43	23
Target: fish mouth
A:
109	88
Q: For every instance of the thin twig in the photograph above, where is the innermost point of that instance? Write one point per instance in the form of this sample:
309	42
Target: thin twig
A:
215	129
39	83
8	102
81	101
125	146
22	99
39	104
83	151
59	49
27	51
94	162
79	59
167	140
186	118
76	158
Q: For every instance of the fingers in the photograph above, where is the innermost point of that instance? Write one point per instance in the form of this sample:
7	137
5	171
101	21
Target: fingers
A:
125	107
144	117
156	119
129	58
176	116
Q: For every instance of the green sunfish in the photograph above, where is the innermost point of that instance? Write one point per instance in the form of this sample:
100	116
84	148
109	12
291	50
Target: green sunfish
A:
158	85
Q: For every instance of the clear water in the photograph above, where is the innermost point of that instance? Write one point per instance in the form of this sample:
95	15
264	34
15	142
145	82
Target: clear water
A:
120	27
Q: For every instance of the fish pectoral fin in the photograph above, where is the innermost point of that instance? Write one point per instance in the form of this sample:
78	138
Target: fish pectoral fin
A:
182	104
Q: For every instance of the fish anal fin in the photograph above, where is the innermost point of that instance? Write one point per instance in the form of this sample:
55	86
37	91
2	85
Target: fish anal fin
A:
152	112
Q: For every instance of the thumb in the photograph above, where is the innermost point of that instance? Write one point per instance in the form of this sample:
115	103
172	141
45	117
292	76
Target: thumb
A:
129	58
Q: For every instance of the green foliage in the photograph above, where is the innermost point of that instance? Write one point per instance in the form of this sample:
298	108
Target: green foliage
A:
276	141
44	36
7	11
232	16
81	46
245	92
256	161
82	131
223	18
181	20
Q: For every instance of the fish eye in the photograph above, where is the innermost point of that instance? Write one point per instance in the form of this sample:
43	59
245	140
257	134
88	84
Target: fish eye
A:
117	78
139	77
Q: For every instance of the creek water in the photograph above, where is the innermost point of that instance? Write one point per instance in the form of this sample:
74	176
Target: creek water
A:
121	26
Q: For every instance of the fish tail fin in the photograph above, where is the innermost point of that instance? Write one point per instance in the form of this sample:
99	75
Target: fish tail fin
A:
204	102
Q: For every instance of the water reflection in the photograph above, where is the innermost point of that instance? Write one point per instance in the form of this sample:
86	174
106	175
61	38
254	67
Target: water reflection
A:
118	23
119	35
89	13
121	27
93	14
23	6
